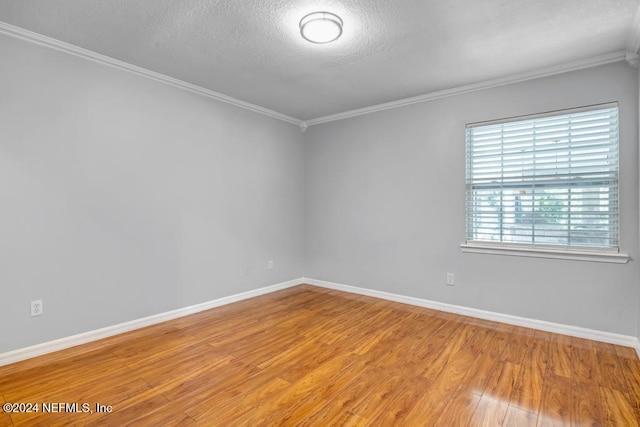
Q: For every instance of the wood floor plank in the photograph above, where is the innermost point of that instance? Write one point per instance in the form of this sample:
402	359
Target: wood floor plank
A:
538	353
396	409
583	366
586	405
297	401
519	418
453	381
294	369
207	383
180	369
459	411
631	369
560	352
528	390
378	396
479	374
341	403
227	411
163	417
304	350
452	337
494	402
516	346
489	412
608	368
627	353
617	408
310	356
499	343
485	360
555	407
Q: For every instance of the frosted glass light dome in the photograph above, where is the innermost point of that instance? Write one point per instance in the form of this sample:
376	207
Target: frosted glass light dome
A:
321	27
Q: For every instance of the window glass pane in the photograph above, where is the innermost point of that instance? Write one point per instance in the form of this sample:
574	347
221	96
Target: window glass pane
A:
549	180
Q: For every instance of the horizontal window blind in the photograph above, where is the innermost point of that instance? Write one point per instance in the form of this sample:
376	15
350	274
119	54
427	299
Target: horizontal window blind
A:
545	180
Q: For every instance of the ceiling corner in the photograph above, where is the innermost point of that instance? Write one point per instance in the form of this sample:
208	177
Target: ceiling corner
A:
633	44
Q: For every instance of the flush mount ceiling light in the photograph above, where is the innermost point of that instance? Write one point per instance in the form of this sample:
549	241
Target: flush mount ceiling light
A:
321	27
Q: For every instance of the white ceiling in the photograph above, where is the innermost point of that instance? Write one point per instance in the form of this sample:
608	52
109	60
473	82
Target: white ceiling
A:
252	50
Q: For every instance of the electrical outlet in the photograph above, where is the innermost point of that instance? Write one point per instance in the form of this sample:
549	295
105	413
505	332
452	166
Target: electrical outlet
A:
36	308
450	279
270	264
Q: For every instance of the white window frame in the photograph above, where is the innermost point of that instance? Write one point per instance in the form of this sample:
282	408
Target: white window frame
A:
579	253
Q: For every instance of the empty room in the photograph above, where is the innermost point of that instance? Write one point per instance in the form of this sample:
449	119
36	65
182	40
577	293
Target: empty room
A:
319	213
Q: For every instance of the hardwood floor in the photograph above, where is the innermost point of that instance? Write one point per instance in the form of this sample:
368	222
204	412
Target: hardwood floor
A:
311	356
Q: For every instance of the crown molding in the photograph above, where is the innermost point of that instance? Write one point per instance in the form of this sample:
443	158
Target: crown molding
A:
633	44
22	34
487	84
630	56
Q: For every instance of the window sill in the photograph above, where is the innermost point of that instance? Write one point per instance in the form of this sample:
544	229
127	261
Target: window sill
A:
595	256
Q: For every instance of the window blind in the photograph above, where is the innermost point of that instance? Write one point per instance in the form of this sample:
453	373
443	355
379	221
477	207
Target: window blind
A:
545	180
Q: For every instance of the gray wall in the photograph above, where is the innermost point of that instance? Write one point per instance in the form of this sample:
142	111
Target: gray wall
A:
123	197
384	206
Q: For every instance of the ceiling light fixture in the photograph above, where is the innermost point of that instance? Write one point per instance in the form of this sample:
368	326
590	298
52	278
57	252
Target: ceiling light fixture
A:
321	27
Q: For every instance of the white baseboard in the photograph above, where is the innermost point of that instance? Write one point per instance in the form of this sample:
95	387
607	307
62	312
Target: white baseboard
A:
574	331
86	337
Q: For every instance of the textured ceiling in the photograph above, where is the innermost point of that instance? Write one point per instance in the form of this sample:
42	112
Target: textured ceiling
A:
252	50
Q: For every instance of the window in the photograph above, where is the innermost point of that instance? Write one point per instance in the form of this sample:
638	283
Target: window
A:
548	181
